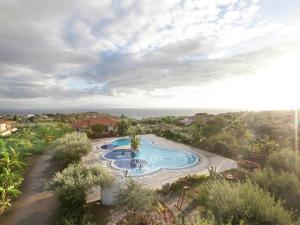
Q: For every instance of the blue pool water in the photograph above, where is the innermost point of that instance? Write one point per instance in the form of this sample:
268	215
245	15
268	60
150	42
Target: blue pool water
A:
149	158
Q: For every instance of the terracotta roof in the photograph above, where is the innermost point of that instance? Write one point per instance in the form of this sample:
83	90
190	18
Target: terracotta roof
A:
106	121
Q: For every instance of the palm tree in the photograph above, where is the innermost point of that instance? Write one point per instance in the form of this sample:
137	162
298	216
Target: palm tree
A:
135	142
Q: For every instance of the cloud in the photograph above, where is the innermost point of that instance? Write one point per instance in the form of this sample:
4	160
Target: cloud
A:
97	49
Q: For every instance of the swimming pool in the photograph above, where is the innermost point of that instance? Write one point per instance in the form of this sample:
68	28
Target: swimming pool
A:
150	158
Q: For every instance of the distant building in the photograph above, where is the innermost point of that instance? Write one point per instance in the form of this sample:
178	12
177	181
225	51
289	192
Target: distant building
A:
187	120
7	127
109	122
190	119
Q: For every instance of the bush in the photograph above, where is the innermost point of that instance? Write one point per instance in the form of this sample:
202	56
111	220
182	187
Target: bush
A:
14	150
286	160
233	202
76	217
283	185
71	147
222	149
262	147
97	131
11	168
123	127
135	199
199	220
73	182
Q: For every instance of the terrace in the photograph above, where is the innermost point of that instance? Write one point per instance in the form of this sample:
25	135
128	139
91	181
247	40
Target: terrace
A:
163	176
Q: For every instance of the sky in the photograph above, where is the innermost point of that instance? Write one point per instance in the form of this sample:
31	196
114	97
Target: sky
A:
147	53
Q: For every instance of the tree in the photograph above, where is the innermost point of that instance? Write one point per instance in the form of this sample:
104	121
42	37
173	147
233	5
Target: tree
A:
15	118
123	127
71	147
135	142
97	130
73	182
264	146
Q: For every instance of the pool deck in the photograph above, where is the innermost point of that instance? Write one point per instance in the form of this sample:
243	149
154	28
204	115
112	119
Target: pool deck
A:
158	179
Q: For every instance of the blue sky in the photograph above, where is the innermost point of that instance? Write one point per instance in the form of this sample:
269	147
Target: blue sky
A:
125	53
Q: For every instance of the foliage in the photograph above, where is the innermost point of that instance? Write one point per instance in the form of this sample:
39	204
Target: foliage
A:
200	220
15	149
264	145
97	131
284	185
33	139
71	147
11	167
286	160
123	127
135	142
247	135
135	199
73	182
74	217
233	202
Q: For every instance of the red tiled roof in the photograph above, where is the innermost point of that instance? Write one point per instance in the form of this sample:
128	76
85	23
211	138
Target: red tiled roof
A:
106	121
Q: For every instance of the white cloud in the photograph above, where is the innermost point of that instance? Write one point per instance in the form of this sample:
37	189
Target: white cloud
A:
132	48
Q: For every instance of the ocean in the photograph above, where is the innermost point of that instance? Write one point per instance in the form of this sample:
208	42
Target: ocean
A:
137	113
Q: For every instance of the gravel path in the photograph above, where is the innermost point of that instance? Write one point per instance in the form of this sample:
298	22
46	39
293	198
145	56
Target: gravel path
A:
35	206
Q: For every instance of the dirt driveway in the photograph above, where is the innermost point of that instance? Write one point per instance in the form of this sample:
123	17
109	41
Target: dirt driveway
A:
35	206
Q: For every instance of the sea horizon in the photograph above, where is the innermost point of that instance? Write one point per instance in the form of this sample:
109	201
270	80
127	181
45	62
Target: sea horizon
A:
136	113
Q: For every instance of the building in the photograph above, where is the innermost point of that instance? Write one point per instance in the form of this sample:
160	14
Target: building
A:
109	122
187	120
7	127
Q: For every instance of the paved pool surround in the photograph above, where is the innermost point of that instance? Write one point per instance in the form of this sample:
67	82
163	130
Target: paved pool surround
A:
150	157
158	178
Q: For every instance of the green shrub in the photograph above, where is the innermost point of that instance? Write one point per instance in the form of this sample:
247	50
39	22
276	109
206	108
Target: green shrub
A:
135	199
287	160
233	202
73	182
14	149
74	217
97	131
284	185
123	127
11	168
200	220
71	147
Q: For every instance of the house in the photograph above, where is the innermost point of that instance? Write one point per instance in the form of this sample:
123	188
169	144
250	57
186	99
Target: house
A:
187	120
7	127
109	122
190	119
